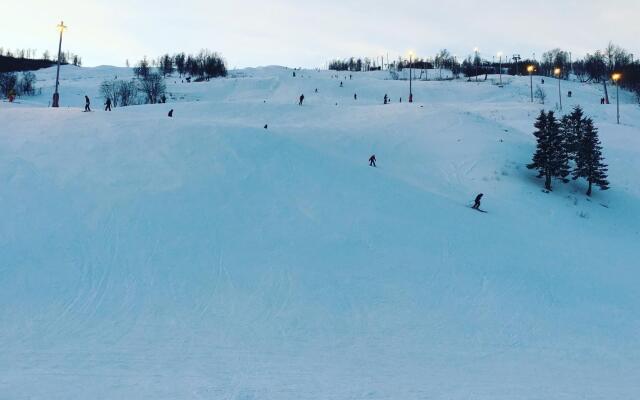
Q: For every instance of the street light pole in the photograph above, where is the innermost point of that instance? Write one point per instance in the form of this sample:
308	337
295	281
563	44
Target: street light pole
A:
618	101
410	75
530	70
557	71
56	96
616	79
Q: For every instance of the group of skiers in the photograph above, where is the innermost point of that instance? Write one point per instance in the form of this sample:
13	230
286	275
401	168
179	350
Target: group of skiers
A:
87	104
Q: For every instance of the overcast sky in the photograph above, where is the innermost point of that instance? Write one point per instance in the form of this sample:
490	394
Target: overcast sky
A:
303	33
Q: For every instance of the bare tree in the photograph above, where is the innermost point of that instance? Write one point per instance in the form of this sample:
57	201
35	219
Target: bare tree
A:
153	87
127	93
108	90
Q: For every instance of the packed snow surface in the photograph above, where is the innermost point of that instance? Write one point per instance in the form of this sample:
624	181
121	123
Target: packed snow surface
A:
205	257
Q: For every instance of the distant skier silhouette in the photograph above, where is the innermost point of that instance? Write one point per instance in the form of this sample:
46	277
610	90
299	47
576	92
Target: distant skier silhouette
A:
386	99
340	83
476	204
87	104
171	113
301	99
372	161
355	96
107	105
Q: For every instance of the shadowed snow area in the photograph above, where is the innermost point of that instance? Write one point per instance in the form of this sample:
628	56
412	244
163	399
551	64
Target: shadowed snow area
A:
204	257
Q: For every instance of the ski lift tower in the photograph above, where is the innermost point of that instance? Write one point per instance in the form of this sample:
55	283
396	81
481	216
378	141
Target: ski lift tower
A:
517	58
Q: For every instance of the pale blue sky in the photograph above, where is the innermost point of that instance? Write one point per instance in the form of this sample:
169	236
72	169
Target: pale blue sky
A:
302	33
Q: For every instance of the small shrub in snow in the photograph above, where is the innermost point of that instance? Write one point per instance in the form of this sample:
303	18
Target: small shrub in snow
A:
540	94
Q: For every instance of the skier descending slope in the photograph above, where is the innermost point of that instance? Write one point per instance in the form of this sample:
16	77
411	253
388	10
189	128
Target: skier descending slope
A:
372	161
476	204
107	105
87	104
301	99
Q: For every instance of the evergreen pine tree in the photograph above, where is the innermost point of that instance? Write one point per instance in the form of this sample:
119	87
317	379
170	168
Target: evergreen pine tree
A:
589	160
571	128
550	158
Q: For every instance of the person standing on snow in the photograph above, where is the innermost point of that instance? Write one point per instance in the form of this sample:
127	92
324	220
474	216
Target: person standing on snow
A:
87	104
476	204
301	99
355	96
386	99
108	105
372	161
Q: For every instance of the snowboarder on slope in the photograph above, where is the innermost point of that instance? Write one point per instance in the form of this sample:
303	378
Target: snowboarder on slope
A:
108	105
372	161
301	99
476	204
87	104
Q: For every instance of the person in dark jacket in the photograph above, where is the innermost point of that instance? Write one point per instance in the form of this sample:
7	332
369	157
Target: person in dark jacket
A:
301	99
355	96
108	105
87	104
386	99
170	113
476	204
372	161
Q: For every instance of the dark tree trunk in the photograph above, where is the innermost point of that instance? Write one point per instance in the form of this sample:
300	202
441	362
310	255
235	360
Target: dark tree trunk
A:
589	190
547	182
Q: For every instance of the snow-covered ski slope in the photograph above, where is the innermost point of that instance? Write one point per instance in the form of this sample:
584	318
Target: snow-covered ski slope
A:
204	257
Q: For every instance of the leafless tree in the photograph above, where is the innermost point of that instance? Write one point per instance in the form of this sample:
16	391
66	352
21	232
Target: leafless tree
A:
153	87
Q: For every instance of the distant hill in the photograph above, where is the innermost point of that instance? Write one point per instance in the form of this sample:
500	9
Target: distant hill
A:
12	64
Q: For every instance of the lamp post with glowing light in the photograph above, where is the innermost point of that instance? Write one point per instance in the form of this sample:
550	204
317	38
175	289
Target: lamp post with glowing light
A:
500	56
616	78
530	69
56	96
476	61
557	73
410	77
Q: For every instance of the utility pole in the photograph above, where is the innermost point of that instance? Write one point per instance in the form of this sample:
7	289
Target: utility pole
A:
56	96
500	55
476	61
570	63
